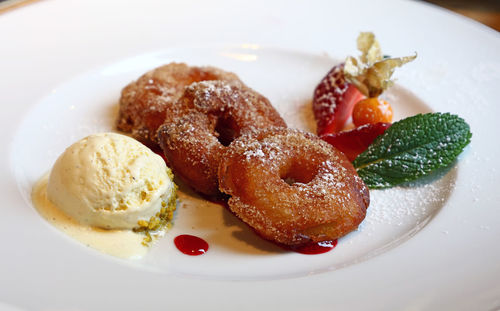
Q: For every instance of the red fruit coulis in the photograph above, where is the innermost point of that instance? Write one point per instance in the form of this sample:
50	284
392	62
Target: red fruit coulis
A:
194	246
314	248
191	245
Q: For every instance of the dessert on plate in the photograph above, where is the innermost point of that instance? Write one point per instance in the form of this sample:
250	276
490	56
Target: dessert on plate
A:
226	141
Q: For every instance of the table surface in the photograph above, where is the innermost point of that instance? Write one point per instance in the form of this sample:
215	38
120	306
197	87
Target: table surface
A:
483	11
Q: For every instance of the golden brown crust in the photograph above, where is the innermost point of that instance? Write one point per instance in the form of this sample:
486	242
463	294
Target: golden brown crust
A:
208	116
292	187
145	102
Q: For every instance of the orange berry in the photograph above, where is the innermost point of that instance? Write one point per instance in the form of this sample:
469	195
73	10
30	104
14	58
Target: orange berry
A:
370	111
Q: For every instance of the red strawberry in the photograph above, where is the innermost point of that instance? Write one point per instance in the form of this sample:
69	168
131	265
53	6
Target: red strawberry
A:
354	142
333	101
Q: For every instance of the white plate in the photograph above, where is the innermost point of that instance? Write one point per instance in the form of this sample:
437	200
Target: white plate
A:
431	247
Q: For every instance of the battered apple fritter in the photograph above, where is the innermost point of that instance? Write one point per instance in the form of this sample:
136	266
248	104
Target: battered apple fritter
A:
292	187
208	117
145	102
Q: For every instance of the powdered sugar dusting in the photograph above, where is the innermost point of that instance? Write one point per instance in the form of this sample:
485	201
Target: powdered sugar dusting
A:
409	206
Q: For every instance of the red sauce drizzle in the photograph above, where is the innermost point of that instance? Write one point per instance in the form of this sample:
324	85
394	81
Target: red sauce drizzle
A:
191	245
314	248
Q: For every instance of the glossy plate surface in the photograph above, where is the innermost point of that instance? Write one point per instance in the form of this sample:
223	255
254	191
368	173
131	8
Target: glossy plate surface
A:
63	83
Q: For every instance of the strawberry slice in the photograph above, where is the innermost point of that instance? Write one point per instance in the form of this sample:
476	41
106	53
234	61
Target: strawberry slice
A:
333	101
354	142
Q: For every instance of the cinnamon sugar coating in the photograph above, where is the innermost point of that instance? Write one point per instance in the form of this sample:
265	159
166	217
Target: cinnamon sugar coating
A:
145	102
208	116
292	187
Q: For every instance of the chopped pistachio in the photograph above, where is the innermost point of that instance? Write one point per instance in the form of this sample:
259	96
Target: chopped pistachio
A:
161	221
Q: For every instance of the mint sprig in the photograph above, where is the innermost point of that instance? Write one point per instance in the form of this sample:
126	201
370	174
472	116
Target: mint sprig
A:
413	148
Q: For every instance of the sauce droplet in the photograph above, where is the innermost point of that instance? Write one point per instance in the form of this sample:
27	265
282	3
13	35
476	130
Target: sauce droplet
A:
191	245
315	248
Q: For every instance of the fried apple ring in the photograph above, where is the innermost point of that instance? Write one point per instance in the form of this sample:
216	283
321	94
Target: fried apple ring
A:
144	103
209	115
291	187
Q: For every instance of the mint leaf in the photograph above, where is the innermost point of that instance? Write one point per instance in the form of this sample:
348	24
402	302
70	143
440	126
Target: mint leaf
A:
413	148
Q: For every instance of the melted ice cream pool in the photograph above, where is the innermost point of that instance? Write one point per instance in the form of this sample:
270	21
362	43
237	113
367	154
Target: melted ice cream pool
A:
118	243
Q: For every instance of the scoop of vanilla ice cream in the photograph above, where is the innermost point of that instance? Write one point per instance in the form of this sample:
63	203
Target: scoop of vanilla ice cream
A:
110	181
